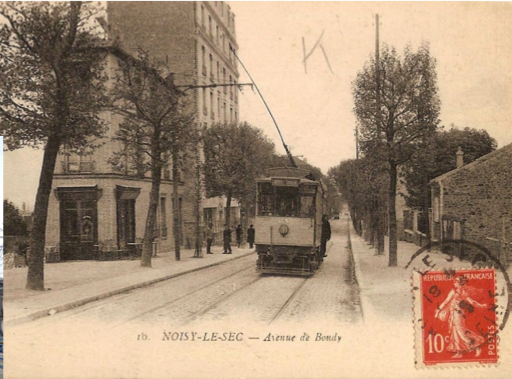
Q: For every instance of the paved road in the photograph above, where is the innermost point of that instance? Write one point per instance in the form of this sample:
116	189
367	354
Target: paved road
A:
231	294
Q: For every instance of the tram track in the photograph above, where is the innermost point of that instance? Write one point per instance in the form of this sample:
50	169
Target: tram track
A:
207	309
267	309
286	304
189	293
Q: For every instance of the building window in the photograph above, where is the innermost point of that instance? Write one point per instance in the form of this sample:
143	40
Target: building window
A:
235	93
224	79
212	114
231	114
166	172
212	77
205	110
80	163
202	16
210	26
203	59
218	70
230	87
218	105
217	35
224	111
236	117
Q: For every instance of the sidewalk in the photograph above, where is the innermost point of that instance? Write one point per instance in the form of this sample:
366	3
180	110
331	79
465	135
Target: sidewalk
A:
387	304
73	284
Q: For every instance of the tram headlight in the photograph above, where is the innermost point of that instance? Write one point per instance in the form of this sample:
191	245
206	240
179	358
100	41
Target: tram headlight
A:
284	229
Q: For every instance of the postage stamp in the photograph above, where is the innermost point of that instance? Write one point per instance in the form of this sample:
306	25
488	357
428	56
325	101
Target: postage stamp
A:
455	317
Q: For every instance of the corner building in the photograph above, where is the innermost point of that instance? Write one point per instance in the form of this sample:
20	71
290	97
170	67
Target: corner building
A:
93	204
196	41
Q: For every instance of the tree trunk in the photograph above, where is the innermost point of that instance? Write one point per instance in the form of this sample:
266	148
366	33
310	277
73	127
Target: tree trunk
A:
35	256
176	225
393	243
228	209
147	246
381	231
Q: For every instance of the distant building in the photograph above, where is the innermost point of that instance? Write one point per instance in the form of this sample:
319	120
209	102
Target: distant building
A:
93	204
474	203
214	212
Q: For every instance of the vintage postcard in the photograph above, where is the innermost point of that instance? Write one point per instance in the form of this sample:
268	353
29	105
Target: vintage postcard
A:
217	189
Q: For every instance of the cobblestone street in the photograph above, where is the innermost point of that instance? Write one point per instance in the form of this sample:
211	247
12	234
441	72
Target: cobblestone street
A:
228	293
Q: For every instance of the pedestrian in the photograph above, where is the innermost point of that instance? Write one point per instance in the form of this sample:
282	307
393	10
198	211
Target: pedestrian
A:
238	232
250	236
325	236
209	238
226	237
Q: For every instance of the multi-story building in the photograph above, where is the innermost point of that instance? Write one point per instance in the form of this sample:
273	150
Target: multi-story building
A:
195	40
92	202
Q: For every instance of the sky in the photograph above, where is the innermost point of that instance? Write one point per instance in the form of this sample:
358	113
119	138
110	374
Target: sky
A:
471	43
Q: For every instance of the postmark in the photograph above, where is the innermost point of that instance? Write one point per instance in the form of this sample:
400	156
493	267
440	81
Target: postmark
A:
446	254
456	323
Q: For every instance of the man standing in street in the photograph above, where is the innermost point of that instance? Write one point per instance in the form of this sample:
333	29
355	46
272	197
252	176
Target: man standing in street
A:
325	236
250	236
226	236
209	238
238	232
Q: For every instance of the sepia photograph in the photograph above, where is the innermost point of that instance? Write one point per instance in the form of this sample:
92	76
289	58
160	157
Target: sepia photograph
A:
256	189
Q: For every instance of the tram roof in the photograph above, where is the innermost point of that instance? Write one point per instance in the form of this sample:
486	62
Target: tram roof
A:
301	180
304	176
287	172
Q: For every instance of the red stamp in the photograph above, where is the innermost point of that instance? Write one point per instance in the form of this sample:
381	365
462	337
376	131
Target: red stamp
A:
456	322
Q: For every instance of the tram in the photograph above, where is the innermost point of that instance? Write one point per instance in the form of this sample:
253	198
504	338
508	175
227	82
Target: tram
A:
290	203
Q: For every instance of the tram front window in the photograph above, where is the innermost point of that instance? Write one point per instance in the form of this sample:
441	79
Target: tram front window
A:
265	199
307	206
287	201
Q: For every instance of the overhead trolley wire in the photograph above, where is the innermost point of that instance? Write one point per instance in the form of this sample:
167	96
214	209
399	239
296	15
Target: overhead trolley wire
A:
292	161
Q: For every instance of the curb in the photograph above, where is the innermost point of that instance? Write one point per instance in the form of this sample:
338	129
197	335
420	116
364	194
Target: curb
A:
366	307
78	303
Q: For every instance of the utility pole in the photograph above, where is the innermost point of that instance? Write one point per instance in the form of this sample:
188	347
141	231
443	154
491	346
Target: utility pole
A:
377	73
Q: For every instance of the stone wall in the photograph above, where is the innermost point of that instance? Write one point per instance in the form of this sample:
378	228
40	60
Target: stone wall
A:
479	198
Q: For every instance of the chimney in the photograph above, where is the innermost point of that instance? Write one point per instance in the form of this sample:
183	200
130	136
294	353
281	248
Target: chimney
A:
460	160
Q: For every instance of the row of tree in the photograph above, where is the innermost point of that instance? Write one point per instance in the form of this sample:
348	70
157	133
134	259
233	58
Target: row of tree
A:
397	109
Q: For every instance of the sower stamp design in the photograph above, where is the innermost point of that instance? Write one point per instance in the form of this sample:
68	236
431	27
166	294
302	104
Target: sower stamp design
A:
455	318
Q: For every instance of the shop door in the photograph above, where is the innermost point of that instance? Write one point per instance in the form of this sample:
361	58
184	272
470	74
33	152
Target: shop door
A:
78	229
125	222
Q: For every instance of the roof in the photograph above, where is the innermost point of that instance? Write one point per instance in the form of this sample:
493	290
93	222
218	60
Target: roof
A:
301	180
496	154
